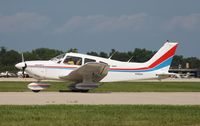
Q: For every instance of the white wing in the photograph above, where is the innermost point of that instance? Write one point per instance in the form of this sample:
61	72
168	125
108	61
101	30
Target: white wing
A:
88	73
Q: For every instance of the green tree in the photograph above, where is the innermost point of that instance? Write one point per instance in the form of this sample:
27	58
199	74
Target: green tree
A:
2	55
121	56
103	54
11	57
8	58
29	56
74	50
142	55
93	53
177	60
45	53
193	62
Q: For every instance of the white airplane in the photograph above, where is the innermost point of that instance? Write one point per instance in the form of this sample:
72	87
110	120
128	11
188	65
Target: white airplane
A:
86	71
7	74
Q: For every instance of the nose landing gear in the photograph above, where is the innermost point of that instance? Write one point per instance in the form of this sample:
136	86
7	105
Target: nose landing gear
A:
38	86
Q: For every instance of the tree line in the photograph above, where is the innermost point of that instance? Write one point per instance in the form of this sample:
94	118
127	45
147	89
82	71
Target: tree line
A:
8	58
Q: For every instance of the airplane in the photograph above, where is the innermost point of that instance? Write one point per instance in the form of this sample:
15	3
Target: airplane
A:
184	75
7	74
87	71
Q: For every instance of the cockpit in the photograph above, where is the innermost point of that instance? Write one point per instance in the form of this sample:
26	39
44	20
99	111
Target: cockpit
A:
70	60
73	59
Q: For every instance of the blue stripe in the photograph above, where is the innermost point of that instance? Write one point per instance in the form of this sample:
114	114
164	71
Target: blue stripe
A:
162	65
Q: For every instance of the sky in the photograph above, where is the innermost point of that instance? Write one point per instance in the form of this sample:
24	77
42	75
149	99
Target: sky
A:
100	25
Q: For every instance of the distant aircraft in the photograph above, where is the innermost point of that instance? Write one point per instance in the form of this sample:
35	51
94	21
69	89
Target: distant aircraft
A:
184	75
7	74
86	71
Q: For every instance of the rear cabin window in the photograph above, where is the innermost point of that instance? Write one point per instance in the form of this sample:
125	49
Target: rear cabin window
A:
89	60
72	60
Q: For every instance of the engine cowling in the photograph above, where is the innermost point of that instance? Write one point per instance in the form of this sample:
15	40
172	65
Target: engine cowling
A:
36	87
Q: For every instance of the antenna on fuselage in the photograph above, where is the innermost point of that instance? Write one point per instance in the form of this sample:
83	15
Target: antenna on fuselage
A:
112	55
130	59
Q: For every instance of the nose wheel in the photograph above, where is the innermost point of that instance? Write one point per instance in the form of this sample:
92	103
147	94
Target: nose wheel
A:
38	86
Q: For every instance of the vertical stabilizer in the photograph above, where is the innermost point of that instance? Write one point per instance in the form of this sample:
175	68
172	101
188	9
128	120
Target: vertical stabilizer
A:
163	58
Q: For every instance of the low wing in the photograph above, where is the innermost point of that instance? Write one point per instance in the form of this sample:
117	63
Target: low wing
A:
88	73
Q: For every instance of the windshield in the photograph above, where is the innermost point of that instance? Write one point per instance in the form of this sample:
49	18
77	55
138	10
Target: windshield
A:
58	58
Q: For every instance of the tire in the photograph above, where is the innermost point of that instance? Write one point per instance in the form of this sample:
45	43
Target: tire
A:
36	91
84	91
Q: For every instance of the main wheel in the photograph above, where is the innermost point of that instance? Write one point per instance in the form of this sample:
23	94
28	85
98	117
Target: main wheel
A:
36	91
84	91
74	89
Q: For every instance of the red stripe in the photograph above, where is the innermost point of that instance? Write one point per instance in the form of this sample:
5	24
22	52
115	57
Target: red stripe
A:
170	53
60	67
53	66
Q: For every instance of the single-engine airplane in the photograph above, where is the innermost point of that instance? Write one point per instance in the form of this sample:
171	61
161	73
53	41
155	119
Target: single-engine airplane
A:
87	71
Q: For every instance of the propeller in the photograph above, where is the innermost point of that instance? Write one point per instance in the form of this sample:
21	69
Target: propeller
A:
24	66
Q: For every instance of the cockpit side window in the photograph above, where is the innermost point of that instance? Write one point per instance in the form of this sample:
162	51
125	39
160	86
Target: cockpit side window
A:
89	60
72	60
58	58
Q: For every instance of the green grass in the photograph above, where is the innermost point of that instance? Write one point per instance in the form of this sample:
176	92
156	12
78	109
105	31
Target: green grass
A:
22	86
150	87
99	115
113	87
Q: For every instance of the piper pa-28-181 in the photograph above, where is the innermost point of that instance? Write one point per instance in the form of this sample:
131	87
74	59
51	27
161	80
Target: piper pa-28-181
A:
87	71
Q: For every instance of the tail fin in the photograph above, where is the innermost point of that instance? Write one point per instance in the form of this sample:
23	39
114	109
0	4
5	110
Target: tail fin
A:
163	58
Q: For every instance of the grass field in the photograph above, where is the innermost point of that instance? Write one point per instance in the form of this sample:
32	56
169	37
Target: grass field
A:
22	86
99	115
113	87
150	87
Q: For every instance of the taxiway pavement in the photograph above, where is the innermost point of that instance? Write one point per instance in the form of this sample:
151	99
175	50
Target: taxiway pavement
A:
155	80
132	98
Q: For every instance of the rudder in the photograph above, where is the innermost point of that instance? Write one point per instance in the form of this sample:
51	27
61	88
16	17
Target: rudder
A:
163	58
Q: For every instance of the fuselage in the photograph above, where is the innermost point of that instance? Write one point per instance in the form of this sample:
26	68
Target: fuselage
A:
118	71
63	64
